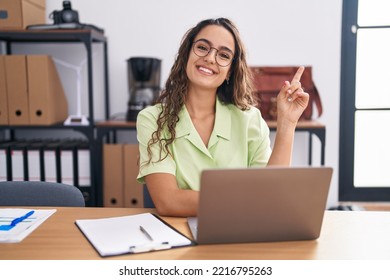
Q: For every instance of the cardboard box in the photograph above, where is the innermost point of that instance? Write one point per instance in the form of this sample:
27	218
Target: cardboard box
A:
133	191
113	175
47	101
18	14
3	93
16	76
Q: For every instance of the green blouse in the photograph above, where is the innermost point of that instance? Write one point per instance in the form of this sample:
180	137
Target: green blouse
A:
239	139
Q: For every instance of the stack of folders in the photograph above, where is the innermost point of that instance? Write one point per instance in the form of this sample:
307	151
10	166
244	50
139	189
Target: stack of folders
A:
131	234
52	160
16	224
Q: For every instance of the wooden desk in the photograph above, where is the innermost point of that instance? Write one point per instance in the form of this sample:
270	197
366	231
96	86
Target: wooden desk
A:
345	235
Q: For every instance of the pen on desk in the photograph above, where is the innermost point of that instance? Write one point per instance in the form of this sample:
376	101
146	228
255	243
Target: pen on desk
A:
143	230
21	219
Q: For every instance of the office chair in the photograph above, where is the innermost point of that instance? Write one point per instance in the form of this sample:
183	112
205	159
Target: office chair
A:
28	193
148	202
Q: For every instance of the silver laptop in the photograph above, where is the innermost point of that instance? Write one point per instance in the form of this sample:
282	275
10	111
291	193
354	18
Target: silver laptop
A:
261	204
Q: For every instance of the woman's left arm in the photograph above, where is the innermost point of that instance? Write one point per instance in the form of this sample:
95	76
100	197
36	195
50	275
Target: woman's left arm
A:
291	102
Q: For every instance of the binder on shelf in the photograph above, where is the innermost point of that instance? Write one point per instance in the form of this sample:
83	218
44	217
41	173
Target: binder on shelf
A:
5	161
67	159
83	165
19	161
82	171
51	162
35	160
133	191
113	175
16	80
3	93
47	101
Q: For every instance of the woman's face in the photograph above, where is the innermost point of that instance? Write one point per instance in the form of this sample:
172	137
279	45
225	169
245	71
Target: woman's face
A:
206	72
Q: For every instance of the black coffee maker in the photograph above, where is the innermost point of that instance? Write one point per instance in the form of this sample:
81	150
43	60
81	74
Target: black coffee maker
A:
144	75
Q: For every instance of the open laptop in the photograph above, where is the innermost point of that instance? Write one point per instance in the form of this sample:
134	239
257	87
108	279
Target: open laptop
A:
261	204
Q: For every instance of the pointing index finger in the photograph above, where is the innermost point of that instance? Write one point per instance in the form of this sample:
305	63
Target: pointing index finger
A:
298	74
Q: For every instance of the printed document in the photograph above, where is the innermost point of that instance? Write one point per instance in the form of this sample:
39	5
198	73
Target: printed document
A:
17	223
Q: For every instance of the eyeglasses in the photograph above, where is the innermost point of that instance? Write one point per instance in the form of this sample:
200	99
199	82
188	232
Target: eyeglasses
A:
223	57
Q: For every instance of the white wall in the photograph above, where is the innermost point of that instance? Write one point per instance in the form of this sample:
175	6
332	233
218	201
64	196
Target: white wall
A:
278	32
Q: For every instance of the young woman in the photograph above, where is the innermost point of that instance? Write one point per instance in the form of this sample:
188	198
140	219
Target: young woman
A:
205	118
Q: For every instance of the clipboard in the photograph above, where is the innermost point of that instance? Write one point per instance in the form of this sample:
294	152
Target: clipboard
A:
132	234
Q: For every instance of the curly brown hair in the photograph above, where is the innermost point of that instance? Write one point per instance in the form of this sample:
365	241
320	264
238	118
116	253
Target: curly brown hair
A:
237	91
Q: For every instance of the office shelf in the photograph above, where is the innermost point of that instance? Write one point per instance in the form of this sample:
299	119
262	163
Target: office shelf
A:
87	37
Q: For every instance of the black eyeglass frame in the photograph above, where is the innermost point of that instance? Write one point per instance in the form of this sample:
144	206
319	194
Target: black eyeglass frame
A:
216	54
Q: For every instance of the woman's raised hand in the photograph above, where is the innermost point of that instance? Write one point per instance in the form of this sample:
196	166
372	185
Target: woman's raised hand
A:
292	100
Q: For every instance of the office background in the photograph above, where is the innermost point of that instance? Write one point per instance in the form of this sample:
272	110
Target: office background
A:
278	32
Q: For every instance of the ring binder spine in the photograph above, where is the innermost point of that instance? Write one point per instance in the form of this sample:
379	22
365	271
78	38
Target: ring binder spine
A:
19	161
35	164
6	158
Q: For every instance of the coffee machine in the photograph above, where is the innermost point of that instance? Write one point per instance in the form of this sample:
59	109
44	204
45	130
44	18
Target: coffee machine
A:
144	74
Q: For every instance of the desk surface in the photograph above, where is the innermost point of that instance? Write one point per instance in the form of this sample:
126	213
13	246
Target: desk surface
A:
345	235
